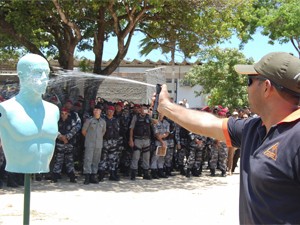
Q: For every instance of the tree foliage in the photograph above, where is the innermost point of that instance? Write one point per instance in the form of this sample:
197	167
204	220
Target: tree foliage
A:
191	26
281	22
276	19
220	82
56	28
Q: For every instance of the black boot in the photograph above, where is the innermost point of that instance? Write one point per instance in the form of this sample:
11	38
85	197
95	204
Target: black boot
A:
161	173
55	177
11	182
87	178
1	184
146	175
169	172
20	179
154	174
132	174
94	179
181	169
140	172
101	175
113	176
72	177
188	172
223	173
196	172
126	171
212	172
38	177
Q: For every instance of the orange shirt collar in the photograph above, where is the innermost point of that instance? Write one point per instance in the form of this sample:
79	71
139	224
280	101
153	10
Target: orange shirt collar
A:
292	117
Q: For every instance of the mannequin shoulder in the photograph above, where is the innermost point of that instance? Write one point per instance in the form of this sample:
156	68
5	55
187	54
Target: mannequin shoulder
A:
51	109
50	106
8	106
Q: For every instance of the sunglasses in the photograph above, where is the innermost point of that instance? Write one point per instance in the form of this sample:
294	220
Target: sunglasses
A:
277	86
251	78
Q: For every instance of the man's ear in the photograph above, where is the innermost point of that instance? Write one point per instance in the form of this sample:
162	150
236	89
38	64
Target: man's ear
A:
268	87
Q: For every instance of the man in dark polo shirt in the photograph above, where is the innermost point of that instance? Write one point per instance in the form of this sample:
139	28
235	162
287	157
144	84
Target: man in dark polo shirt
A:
270	143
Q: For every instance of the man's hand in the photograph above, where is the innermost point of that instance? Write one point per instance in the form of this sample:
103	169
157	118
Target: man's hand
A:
164	98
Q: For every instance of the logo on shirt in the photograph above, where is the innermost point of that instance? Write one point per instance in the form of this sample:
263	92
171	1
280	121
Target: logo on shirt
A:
272	151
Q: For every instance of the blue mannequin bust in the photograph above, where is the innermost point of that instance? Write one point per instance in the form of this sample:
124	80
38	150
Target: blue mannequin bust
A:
28	124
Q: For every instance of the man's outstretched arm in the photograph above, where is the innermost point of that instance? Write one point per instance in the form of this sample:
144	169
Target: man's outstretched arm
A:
198	122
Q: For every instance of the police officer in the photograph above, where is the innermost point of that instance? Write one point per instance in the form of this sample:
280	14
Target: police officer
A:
169	158
219	153
1	164
139	140
93	130
183	143
194	161
110	153
77	119
125	158
64	146
161	131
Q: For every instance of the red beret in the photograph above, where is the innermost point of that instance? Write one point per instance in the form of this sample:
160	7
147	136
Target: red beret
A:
222	112
121	104
137	105
110	107
64	109
69	101
78	104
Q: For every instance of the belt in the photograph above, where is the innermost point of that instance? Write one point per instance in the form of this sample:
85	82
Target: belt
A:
142	138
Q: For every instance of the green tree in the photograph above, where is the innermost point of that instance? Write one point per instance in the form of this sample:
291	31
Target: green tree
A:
190	26
57	28
220	82
281	22
276	19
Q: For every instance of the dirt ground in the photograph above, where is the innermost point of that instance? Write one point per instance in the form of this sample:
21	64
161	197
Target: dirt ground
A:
176	200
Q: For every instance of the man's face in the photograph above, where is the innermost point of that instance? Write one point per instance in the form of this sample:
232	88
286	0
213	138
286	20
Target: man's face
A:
118	108
255	94
110	113
144	110
97	113
64	115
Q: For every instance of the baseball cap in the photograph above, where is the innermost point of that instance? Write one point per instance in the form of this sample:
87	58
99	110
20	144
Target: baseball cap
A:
281	68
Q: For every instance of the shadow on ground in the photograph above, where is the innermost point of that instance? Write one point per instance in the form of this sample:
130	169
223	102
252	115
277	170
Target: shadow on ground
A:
125	184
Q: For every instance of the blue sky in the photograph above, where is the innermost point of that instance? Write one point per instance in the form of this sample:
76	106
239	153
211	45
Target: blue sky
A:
256	49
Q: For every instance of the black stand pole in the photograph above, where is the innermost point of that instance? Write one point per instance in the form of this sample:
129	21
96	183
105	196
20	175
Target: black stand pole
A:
26	212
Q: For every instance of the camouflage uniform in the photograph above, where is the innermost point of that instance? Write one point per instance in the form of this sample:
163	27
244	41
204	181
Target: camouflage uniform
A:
183	143
219	156
64	151
194	161
1	155
125	158
157	162
171	148
1	163
110	152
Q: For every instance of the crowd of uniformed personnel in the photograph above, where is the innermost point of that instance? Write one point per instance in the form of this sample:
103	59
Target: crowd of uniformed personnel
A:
114	140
